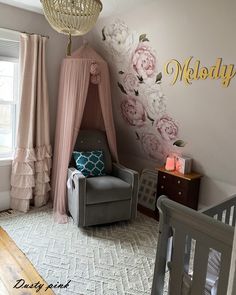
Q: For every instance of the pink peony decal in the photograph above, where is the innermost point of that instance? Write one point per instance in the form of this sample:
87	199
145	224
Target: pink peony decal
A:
152	146
133	111
167	127
130	82
144	61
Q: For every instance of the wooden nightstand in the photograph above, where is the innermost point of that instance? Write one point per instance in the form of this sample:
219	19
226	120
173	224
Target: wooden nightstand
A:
182	188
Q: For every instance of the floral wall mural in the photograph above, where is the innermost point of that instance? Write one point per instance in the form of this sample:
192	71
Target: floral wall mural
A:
142	101
150	113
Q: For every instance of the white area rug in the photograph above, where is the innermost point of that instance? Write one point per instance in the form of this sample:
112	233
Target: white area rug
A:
106	260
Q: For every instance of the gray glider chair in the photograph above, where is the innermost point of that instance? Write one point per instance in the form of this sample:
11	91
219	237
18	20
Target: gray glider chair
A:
101	199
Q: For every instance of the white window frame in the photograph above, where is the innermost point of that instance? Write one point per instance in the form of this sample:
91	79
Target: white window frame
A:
6	157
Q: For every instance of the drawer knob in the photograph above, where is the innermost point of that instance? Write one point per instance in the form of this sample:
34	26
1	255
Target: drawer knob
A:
162	186
164	177
179	181
179	193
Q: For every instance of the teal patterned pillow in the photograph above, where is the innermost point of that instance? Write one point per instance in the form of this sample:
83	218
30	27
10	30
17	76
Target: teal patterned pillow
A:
90	163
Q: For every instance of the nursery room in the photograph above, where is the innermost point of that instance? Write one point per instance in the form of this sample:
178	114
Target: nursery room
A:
117	147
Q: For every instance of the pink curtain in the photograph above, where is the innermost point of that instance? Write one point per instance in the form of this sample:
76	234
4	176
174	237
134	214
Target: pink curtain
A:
71	103
106	106
74	85
32	160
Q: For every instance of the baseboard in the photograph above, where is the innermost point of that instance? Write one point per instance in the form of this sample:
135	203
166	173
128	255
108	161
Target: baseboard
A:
201	206
4	200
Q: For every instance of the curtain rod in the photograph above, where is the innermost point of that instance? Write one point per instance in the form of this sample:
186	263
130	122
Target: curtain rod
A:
8	29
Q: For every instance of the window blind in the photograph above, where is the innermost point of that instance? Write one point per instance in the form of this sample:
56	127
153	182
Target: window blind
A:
9	43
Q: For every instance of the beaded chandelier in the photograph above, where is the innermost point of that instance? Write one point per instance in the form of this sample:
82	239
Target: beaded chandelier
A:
72	17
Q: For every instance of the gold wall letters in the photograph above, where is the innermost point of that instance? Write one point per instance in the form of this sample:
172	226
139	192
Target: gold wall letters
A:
187	73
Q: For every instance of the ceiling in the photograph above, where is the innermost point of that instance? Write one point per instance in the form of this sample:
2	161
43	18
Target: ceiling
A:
109	6
33	5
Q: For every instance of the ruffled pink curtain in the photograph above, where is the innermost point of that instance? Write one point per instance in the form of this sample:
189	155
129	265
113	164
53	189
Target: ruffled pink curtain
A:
76	75
32	160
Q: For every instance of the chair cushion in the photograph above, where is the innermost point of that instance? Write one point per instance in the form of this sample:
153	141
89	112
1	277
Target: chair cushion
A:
90	163
107	189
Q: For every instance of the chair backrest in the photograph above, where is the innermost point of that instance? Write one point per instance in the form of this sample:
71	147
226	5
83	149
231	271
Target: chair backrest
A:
90	140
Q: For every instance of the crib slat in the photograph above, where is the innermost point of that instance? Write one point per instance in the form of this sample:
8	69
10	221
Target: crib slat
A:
160	265
220	216
227	217
224	272
231	215
234	216
199	269
177	269
187	253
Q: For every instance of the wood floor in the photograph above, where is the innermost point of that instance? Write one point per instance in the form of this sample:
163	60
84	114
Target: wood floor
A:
15	266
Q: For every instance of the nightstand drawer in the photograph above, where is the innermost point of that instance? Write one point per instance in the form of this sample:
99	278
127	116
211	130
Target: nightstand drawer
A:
180	183
163	188
164	177
181	188
167	179
180	196
164	184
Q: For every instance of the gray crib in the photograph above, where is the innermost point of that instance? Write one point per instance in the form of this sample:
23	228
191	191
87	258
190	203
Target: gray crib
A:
192	245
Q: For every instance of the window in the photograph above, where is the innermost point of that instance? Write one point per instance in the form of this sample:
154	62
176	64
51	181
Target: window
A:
8	105
9	81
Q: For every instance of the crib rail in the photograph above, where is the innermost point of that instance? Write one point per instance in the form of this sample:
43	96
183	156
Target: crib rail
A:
187	225
224	211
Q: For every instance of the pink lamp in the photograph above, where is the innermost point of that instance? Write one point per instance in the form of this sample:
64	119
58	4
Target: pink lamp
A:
170	164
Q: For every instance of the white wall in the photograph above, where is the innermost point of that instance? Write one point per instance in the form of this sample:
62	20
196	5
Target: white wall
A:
204	110
22	20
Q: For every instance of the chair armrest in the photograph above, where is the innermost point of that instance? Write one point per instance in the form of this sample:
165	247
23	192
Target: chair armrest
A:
77	195
126	174
77	174
132	177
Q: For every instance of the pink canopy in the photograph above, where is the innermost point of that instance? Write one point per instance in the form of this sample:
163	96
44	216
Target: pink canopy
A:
84	103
